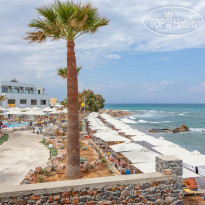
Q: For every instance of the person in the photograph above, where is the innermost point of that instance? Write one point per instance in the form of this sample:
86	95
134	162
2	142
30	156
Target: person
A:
1	128
128	170
191	184
196	170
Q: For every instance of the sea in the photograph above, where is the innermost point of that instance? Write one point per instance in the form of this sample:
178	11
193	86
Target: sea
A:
144	117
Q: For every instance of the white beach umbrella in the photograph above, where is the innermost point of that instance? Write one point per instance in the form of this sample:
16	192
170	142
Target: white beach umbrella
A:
26	109
57	112
36	108
3	109
146	167
48	109
105	134
114	138
196	152
125	147
107	130
193	160
151	167
187	156
14	109
65	111
14	112
167	150
187	173
139	156
58	105
157	142
35	113
109	137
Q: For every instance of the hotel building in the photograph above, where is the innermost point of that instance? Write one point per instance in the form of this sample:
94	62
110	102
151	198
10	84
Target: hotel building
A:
23	95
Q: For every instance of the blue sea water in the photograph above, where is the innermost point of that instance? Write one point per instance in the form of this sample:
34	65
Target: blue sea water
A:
148	116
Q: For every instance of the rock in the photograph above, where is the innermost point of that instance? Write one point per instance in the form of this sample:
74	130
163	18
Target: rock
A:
37	170
160	130
168	172
50	167
183	128
115	113
34	197
61	167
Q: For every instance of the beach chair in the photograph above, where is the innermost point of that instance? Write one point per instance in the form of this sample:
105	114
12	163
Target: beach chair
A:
189	192
37	130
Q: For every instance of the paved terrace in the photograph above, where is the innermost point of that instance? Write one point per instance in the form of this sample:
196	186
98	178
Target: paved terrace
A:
19	154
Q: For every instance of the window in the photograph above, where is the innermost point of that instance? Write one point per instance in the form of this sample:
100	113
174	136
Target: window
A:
33	102
4	90
27	91
16	90
39	92
11	103
43	102
23	103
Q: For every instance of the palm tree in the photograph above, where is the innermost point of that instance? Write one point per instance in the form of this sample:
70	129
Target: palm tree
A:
68	20
2	99
62	72
64	102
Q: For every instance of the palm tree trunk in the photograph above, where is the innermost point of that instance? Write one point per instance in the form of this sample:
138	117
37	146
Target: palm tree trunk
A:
73	143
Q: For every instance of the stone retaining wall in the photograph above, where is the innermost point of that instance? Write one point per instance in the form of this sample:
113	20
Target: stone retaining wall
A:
152	188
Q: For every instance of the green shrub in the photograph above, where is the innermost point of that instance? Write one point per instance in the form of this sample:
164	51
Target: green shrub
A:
83	160
83	148
92	166
43	141
4	138
46	144
110	171
41	179
54	152
45	172
103	161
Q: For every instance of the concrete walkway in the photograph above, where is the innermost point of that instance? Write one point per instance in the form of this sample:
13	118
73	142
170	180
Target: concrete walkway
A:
19	154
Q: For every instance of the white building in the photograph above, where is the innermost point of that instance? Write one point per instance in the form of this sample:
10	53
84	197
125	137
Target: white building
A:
23	95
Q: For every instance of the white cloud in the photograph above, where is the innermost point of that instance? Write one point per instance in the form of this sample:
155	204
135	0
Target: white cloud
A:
113	56
166	82
155	87
198	88
126	33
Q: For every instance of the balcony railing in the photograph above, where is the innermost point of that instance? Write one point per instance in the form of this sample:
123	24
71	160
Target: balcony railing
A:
22	93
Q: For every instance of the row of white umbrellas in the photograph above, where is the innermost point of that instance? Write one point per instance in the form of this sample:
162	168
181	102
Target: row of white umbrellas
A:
143	157
102	131
32	111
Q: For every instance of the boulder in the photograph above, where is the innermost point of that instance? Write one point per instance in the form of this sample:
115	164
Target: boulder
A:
183	128
160	130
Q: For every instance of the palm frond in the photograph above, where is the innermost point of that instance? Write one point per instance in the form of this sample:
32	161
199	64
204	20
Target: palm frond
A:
65	20
2	98
62	72
38	37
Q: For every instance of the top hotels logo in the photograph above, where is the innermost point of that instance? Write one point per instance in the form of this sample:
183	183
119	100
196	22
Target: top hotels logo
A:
173	20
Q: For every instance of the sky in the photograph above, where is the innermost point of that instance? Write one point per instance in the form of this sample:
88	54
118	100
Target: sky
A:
124	61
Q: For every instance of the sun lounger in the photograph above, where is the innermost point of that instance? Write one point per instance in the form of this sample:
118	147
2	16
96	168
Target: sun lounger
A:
190	192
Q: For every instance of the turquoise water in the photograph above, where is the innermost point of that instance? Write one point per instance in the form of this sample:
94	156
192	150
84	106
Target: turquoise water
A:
15	124
148	116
